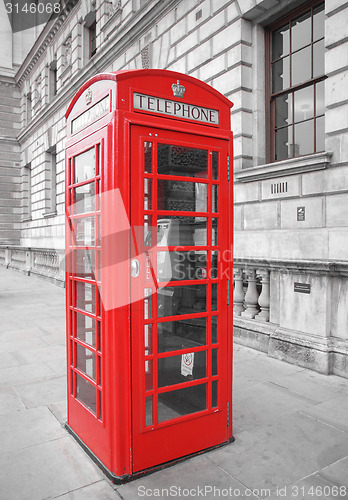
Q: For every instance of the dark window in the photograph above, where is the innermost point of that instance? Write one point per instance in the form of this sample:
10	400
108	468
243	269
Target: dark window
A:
296	86
92	39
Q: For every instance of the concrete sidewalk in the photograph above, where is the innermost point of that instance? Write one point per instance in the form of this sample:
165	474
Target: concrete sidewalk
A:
290	424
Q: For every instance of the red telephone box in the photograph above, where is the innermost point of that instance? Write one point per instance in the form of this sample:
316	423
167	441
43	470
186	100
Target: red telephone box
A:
148	268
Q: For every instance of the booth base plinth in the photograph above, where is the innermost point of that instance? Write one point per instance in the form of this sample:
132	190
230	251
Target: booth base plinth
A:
136	475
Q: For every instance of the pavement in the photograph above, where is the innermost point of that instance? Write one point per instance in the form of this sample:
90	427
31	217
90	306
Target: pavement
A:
290	424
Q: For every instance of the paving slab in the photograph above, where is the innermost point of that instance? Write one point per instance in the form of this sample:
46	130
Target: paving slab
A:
101	490
42	392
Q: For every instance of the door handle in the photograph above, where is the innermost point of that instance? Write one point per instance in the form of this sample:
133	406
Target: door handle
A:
135	268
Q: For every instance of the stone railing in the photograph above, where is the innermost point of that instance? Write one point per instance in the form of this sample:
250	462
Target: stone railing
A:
251	297
45	263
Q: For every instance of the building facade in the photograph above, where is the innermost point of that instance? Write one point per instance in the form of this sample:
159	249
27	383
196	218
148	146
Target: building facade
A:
284	65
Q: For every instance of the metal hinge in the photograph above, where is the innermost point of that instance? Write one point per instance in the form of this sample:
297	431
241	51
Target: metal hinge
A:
228	292
228	413
228	168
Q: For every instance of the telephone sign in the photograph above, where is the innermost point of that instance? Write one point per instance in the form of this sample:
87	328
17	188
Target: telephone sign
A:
148	223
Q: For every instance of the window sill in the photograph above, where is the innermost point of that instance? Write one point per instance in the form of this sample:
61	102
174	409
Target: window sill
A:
49	214
26	219
299	165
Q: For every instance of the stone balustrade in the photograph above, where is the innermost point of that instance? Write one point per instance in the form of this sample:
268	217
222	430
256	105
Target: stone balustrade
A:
251	298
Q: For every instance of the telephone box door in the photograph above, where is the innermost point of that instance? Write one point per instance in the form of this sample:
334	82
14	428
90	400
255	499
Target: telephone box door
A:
179	287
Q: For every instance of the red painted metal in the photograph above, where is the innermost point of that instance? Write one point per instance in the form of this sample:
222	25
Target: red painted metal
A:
111	374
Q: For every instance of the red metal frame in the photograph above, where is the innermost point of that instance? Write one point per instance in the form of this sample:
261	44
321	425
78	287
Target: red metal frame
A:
117	439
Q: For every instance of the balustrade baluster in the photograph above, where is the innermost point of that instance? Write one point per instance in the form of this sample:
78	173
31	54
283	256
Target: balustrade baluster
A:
251	296
238	293
264	298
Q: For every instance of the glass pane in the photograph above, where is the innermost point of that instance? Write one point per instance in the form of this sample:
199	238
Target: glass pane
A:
148	230
182	334
85	296
215	198
281	74
147	303
178	230
86	393
181	196
214	329
320	134
85	231
148	157
318	58
181	265
304	104
85	263
320	98
100	405
86	361
318	22
214	362
214	297
85	198
147	194
301	31
214	394
214	264
148	339
180	160
215	165
100	370
85	166
280	42
174	404
283	143
148	411
301	66
172	301
283	110
177	369
86	329
304	138
148	375
215	232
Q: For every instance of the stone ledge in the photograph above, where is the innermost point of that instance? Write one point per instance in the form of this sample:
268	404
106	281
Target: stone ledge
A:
310	163
331	268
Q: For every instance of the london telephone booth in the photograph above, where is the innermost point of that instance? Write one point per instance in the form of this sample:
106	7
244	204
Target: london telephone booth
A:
148	269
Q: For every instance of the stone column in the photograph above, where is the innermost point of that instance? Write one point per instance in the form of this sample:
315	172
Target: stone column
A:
251	296
264	298
238	293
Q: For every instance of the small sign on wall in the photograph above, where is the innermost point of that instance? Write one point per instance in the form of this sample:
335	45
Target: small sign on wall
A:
302	287
301	214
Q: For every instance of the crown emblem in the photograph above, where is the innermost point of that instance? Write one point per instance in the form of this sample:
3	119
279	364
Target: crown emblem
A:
178	90
88	96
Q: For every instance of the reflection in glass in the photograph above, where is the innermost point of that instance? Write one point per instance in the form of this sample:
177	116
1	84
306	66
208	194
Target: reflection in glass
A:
214	362
214	297
281	74
301	31
283	110
148	375
85	296
84	263
147	303
320	134
148	230
175	230
182	334
148	411
304	138
215	232
86	329
85	166
214	264
280	42
215	161
147	194
172	301
85	231
301	66
318	58
148	157
86	393
215	198
214	329
173	404
181	196
283	146
148	339
304	104
318	22
181	368
86	361
100	405
183	161
85	198
181	265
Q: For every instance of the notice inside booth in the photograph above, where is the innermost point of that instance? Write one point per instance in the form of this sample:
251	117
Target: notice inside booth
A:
148	269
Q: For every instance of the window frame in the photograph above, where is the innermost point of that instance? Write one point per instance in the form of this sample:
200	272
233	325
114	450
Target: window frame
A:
271	96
